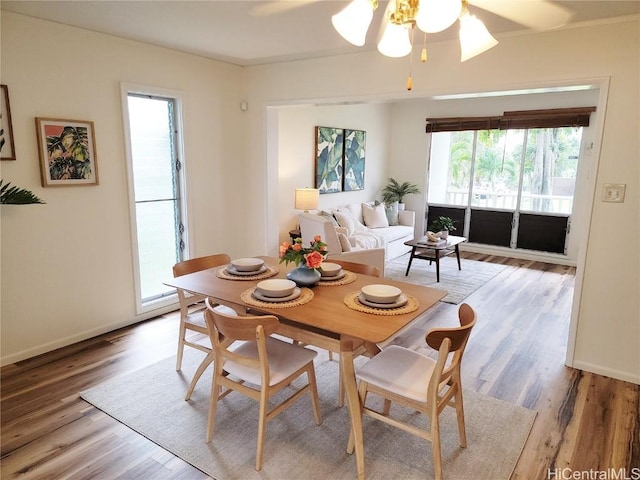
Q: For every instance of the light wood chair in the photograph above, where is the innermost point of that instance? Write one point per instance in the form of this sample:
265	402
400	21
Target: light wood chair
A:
252	362
192	308
414	380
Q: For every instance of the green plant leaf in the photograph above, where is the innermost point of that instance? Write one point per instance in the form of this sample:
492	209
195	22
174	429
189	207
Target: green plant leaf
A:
16	196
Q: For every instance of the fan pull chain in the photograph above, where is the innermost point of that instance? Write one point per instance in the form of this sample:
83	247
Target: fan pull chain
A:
410	79
423	56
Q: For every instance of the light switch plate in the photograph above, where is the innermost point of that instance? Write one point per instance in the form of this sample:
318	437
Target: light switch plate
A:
613	192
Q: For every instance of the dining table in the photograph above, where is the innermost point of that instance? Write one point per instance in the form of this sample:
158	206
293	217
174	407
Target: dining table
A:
328	316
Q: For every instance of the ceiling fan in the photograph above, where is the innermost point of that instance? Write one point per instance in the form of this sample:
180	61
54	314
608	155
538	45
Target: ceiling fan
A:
401	17
534	14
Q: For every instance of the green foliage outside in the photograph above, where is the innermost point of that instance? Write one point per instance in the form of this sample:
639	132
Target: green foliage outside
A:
550	153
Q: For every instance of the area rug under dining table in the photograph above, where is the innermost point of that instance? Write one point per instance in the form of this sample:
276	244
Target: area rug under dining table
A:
459	284
151	402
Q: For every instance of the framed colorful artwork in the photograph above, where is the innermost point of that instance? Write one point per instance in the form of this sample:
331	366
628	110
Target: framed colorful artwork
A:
354	159
7	148
329	149
67	150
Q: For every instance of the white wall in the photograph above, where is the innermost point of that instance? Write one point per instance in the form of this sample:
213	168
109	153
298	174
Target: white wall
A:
296	154
67	265
606	325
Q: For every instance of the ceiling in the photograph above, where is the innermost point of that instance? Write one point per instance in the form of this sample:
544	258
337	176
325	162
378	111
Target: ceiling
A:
259	32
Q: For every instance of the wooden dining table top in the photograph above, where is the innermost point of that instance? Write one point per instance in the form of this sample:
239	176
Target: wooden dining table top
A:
327	310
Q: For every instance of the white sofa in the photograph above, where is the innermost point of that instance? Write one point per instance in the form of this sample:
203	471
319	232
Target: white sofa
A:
358	235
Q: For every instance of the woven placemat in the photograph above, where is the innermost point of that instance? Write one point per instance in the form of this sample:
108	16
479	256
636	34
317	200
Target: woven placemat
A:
306	294
221	272
351	301
349	277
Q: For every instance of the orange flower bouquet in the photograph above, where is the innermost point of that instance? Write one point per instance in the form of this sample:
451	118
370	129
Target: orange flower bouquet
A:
310	257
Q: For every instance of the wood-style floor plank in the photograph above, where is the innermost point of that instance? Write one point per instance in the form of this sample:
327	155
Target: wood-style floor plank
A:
516	353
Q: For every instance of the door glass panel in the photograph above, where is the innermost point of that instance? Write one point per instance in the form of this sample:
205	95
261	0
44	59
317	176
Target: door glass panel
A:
450	168
155	181
496	176
156	246
551	166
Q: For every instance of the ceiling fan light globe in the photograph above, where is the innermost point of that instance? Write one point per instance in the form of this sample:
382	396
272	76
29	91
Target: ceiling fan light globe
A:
352	23
474	37
437	15
395	41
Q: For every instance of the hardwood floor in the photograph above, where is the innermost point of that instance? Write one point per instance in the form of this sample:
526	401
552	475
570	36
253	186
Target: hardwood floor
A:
585	422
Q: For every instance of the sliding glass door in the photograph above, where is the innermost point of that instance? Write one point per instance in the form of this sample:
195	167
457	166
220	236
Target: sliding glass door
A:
511	188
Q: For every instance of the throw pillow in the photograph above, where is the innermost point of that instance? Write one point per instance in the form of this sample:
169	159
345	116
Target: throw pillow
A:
344	242
392	213
345	220
374	216
324	213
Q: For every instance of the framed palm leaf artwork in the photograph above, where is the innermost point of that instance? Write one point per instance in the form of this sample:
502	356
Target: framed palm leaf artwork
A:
67	150
7	148
329	146
354	157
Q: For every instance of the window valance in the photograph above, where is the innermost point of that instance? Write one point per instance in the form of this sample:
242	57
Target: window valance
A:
549	118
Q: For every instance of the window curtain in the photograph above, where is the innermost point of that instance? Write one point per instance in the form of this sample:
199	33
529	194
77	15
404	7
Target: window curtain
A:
550	118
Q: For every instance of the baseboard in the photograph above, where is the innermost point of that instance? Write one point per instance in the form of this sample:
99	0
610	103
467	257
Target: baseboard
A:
517	253
608	372
79	337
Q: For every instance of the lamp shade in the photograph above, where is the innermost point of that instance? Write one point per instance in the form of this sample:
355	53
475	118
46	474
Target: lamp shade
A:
474	37
395	41
353	21
306	198
437	15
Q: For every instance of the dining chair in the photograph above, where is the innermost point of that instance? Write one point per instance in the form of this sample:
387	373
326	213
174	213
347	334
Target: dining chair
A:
192	306
419	382
252	362
363	269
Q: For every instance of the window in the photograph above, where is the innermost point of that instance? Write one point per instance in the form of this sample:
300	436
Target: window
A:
514	176
155	185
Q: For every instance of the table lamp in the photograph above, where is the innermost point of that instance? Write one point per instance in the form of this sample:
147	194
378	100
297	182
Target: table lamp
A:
306	199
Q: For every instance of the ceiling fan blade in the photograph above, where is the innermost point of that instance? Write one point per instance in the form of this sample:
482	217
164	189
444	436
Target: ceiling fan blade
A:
264	9
535	14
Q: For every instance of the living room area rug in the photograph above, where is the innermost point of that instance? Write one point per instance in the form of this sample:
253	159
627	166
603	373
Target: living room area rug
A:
458	283
151	402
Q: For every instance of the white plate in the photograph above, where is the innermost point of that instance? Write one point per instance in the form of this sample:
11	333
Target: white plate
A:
340	275
401	302
231	270
262	298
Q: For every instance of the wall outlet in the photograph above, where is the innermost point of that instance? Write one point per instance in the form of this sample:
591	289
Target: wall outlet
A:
613	192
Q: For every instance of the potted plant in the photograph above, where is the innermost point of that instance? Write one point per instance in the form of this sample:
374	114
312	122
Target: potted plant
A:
442	224
395	191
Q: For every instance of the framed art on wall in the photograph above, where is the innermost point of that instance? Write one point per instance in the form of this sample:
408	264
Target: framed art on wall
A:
329	148
354	159
67	150
7	148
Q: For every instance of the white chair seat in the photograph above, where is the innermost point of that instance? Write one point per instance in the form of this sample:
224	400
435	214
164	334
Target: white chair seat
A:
399	370
196	316
284	360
